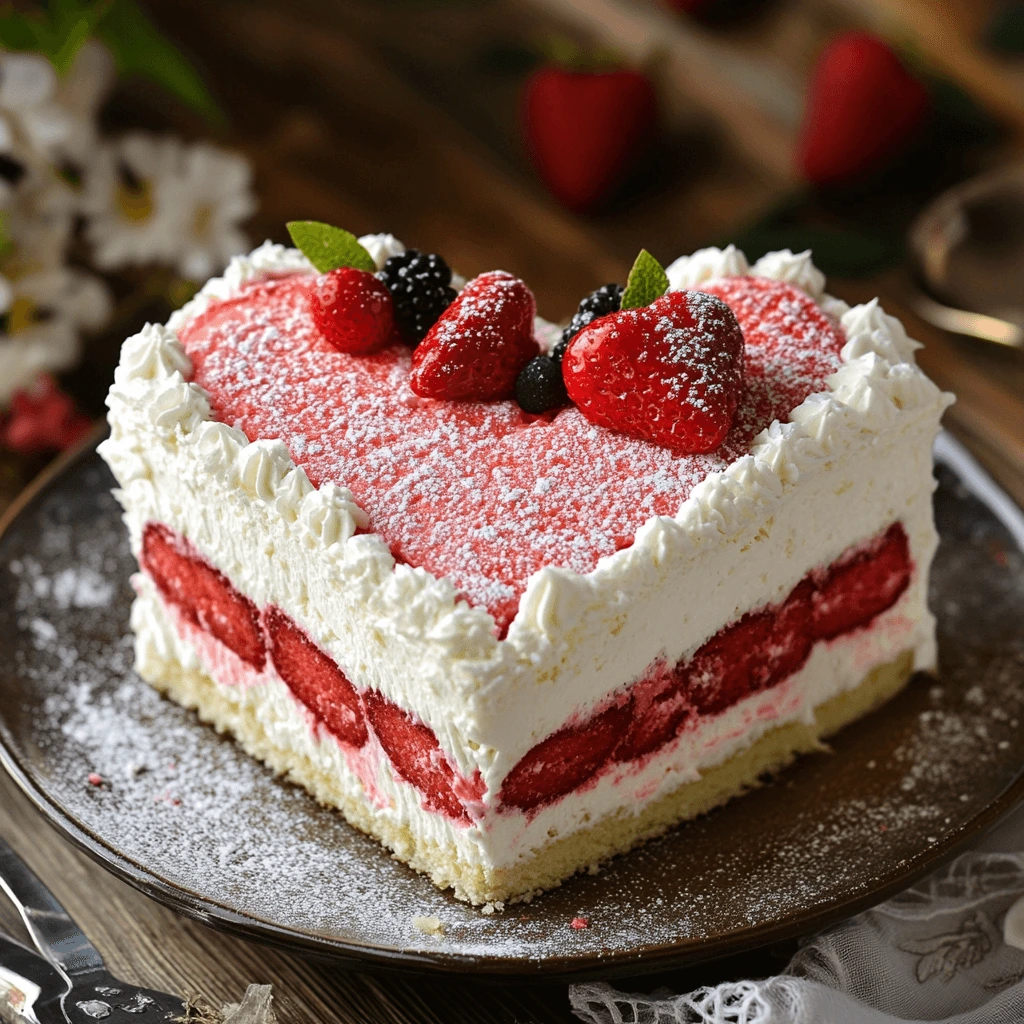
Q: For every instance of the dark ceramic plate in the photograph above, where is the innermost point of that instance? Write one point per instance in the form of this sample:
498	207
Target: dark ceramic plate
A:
189	819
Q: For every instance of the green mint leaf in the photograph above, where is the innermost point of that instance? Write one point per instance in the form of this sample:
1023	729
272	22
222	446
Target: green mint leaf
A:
328	247
64	55
647	281
139	48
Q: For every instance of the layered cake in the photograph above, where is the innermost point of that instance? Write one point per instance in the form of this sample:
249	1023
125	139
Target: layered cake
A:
514	598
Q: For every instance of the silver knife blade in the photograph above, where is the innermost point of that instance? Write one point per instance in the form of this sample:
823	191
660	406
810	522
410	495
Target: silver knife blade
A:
51	927
31	988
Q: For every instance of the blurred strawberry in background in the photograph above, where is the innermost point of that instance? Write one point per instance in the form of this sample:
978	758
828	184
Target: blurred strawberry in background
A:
864	109
43	419
586	126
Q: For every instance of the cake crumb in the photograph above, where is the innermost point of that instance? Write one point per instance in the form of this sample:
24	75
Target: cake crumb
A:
579	923
492	908
429	926
594	869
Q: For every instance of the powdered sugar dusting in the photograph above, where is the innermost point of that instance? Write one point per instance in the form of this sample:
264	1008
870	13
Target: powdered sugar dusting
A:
188	806
477	492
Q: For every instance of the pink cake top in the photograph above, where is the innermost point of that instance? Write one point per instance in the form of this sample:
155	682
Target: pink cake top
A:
481	492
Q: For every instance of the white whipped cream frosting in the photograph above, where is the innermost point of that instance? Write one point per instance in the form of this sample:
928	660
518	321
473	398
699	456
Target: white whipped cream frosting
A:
381	248
852	459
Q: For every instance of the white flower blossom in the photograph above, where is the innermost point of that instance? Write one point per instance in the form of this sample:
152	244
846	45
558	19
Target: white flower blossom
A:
41	316
155	200
55	117
214	197
131	204
36	232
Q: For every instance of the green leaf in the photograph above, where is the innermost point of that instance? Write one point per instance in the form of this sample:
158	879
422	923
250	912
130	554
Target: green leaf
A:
328	247
19	32
72	22
6	242
138	48
58	33
67	44
647	281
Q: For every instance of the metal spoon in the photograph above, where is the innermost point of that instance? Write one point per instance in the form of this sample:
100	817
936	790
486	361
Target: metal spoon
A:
968	253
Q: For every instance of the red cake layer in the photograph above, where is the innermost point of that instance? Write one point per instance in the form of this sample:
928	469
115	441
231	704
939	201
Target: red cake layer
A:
480	492
760	651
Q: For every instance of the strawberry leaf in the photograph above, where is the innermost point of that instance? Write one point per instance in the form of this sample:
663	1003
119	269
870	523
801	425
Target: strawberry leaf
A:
647	281
329	247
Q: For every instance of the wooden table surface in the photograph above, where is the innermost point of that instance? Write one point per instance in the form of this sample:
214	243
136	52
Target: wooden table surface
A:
339	127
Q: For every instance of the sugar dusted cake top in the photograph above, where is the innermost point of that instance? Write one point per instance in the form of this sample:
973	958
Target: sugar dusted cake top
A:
483	493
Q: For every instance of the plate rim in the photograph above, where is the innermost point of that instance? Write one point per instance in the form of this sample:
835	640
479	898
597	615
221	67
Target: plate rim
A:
573	967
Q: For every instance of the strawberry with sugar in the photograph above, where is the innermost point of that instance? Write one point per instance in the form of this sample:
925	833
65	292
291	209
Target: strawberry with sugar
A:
351	308
667	368
480	343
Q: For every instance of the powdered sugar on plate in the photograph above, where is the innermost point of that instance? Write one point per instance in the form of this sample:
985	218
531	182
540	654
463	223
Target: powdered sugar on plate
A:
187	811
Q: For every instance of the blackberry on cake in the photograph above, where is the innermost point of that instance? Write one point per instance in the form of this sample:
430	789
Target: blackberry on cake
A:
540	387
420	284
600	302
509	650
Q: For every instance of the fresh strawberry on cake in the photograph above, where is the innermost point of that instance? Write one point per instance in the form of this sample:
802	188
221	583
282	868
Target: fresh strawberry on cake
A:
514	602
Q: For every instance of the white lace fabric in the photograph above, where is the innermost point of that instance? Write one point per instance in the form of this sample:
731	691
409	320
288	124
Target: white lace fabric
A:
934	953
